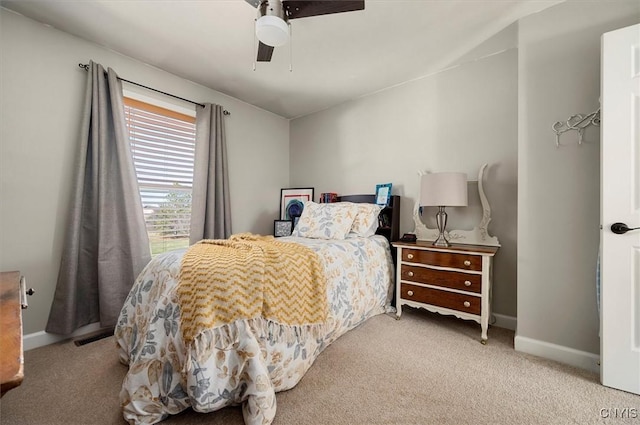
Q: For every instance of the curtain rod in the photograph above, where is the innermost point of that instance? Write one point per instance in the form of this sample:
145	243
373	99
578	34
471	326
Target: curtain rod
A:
86	68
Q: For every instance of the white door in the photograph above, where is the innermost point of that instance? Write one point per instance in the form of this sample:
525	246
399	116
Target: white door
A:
620	203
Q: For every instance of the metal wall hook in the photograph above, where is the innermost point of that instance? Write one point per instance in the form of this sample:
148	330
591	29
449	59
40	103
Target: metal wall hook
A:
577	122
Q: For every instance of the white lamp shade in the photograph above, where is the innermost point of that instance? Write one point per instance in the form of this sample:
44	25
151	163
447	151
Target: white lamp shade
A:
443	190
272	30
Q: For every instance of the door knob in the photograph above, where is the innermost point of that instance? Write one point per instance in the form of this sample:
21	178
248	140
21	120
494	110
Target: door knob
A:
621	228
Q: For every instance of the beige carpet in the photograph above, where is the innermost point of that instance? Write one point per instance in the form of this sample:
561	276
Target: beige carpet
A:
423	369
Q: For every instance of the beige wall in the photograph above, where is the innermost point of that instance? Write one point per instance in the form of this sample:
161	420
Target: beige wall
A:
496	106
42	91
496	109
559	204
455	120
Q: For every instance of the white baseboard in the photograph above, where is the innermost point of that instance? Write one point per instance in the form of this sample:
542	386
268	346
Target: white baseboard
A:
505	322
42	338
559	353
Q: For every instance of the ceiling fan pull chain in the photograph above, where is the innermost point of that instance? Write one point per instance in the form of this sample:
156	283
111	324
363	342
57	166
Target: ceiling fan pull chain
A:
255	41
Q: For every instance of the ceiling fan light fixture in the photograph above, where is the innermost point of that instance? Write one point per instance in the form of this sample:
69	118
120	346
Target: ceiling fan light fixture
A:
272	30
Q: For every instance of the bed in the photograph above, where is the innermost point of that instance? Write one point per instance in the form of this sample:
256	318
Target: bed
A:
174	365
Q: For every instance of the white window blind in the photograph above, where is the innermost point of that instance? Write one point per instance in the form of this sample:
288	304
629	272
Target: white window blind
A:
163	145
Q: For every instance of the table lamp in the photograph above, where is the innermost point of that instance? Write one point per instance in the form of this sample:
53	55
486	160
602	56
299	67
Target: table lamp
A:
443	190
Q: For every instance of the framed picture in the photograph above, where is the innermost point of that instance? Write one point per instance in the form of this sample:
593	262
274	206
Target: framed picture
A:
282	228
292	202
383	194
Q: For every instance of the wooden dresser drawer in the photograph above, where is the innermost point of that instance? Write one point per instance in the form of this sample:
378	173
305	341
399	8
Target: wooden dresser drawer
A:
443	259
445	278
453	300
454	280
11	355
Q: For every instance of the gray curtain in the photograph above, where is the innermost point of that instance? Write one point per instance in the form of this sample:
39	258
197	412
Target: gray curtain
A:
106	243
210	205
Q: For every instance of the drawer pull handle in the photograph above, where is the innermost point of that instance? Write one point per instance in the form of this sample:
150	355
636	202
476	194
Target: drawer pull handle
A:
410	274
410	256
410	293
467	283
467	263
467	304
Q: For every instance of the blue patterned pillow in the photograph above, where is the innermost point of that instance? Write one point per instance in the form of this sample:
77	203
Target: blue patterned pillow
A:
326	221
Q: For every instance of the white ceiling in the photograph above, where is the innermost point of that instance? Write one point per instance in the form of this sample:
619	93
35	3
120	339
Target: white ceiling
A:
335	58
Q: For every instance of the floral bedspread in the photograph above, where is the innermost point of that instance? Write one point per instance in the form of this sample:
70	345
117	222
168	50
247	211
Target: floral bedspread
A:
241	365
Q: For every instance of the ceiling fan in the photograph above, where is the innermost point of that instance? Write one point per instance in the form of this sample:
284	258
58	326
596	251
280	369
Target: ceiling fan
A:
272	28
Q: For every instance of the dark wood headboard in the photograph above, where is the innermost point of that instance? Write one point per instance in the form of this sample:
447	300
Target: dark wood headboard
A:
389	216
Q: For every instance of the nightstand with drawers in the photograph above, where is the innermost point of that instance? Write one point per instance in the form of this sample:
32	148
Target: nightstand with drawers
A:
454	280
11	351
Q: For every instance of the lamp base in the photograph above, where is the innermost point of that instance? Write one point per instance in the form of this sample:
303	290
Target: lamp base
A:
441	221
441	241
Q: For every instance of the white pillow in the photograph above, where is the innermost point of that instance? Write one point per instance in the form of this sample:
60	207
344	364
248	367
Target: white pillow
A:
326	221
366	222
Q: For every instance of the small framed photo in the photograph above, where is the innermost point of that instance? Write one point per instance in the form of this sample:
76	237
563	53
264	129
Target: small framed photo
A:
383	194
282	228
292	201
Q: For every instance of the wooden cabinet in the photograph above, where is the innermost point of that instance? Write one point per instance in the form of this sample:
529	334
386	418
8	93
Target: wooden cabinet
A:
389	220
11	360
453	280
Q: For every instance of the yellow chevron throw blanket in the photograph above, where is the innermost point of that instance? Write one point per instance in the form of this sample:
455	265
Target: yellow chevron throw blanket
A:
248	277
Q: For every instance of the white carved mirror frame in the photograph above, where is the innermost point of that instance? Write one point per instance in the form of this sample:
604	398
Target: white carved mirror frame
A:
479	235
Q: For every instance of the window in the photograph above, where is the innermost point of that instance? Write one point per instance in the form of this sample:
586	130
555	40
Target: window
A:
163	145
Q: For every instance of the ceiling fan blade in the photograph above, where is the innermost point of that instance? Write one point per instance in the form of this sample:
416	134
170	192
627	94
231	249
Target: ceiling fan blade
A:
264	52
254	3
303	9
